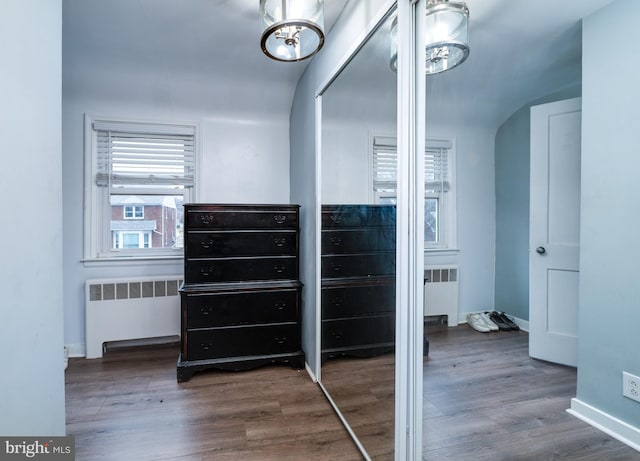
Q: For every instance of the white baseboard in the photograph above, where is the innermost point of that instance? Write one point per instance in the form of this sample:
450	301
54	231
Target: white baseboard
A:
523	324
606	423
76	350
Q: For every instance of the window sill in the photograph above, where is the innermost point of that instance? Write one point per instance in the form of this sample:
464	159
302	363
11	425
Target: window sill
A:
441	251
131	260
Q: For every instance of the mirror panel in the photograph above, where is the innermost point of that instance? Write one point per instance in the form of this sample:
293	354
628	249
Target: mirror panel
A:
358	227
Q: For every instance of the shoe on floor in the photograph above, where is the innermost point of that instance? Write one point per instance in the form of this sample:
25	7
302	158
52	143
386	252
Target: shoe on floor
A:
508	321
498	320
488	322
476	322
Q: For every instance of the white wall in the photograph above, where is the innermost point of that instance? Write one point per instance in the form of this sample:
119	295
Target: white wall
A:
245	159
475	214
347	160
32	382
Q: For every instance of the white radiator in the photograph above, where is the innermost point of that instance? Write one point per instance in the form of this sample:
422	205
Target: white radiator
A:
127	308
441	292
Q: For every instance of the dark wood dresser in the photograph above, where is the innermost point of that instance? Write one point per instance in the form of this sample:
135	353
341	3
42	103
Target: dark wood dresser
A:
358	280
241	297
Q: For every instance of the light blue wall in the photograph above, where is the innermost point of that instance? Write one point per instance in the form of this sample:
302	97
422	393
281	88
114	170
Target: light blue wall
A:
610	244
31	339
512	207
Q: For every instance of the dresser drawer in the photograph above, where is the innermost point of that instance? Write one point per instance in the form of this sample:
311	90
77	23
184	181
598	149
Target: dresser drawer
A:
240	243
199	271
345	216
356	300
215	343
218	309
359	265
358	331
213	217
358	240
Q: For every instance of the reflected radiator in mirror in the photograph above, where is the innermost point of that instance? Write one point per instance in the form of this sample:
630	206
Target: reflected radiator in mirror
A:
441	292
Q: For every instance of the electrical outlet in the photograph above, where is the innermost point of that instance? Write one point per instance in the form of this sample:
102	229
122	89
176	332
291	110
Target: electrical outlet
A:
631	386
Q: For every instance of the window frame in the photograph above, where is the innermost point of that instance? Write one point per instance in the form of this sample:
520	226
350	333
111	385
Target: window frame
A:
134	208
98	238
447	202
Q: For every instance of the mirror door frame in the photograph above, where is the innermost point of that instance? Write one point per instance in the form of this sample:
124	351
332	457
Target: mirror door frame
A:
411	109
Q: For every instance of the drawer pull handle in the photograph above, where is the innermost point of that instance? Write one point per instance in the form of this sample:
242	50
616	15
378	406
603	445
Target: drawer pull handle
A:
337	241
337	335
279	268
338	302
206	347
335	218
280	306
206	310
279	218
206	244
206	271
281	340
279	241
337	267
206	219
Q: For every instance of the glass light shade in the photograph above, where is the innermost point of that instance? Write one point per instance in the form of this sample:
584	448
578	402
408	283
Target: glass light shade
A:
293	29
447	36
393	36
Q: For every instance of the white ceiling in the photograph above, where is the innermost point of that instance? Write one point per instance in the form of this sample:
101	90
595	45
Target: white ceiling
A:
201	54
521	50
205	54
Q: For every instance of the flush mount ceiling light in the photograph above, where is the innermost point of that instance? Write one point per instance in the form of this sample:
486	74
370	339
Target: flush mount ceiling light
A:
446	38
293	29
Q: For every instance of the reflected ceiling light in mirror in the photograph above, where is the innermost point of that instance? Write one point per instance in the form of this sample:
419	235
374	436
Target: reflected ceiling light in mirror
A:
293	29
446	36
393	63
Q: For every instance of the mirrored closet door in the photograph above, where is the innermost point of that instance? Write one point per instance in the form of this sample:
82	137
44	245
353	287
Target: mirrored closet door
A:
358	242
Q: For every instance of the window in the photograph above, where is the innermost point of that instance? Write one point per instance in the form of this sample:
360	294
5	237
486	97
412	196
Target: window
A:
439	200
138	177
133	212
128	240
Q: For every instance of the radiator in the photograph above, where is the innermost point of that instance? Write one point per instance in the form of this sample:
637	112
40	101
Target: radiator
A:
441	292
126	309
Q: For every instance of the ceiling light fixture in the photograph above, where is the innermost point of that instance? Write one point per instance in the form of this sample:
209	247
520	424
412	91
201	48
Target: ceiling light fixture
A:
447	35
446	38
293	29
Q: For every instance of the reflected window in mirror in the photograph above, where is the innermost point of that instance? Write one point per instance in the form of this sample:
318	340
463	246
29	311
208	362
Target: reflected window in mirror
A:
439	174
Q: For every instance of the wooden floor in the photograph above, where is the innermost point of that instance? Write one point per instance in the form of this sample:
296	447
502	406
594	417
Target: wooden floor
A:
129	407
363	389
485	399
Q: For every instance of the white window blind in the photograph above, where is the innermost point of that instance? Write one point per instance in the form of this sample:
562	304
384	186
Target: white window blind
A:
385	165
144	155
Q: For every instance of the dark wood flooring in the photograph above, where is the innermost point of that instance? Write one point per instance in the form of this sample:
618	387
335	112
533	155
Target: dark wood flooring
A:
128	406
363	389
485	400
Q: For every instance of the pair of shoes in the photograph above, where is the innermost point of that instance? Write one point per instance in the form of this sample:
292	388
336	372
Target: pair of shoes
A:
503	321
478	323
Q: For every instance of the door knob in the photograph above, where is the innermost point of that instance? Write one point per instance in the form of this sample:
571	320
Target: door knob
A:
541	250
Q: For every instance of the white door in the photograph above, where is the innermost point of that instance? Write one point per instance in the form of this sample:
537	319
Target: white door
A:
554	232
